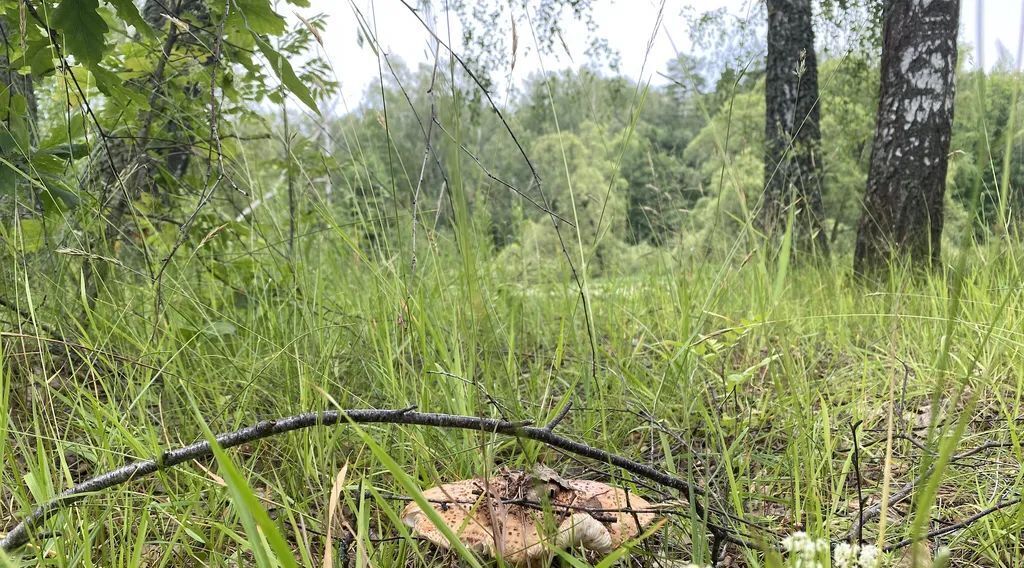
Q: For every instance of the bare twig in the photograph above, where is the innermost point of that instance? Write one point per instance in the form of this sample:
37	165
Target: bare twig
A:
982	448
215	149
860	493
955	526
560	416
23	532
427	151
905	491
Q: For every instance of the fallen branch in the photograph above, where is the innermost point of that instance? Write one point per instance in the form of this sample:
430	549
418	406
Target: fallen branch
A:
22	533
875	510
955	526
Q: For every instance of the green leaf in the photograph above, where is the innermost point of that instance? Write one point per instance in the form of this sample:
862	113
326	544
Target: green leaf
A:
83	29
38	56
31	235
57	199
129	12
286	74
220	328
59	132
14	112
66	151
109	83
8	179
258	17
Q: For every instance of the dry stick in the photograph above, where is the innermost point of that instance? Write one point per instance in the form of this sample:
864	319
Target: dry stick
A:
905	491
876	509
560	416
22	533
427	151
887	467
860	493
956	526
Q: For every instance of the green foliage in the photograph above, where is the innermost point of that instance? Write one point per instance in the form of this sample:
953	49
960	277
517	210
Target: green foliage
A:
583	187
983	139
689	168
83	29
283	69
129	12
257	16
428	273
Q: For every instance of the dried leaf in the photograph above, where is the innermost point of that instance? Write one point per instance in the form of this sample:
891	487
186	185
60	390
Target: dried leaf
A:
515	41
311	28
332	508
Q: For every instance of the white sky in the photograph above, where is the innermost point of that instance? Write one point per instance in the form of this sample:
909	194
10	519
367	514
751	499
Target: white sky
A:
625	24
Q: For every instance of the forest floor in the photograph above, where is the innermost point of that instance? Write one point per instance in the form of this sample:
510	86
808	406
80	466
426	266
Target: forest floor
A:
784	392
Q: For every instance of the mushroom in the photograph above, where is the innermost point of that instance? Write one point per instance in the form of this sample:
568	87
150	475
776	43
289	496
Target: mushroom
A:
622	513
505	514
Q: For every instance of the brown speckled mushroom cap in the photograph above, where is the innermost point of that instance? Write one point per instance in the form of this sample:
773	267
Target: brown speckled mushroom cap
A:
502	513
627	513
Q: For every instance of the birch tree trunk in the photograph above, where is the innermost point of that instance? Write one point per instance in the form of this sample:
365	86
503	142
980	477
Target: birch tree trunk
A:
903	205
792	166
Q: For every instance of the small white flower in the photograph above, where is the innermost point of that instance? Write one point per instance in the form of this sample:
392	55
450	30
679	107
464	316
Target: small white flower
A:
795	542
820	547
856	556
805	551
845	556
870	556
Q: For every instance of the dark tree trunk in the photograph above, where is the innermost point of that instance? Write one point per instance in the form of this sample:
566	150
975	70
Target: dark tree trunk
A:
177	157
14	83
19	125
902	216
792	166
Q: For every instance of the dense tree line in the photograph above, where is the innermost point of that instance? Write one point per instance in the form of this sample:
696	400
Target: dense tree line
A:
133	137
672	161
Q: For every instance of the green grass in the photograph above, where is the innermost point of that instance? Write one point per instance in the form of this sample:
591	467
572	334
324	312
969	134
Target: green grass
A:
745	378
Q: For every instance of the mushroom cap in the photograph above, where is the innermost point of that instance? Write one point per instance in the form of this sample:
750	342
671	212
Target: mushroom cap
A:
468	513
592	515
627	512
581	529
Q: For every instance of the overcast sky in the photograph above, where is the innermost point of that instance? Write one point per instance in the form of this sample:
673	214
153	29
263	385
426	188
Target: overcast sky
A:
627	25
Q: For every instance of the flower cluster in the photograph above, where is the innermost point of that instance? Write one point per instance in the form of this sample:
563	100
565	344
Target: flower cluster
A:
804	551
807	552
857	556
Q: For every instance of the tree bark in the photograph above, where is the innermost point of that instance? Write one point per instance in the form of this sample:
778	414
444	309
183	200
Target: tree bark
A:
13	82
903	205
792	166
12	85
